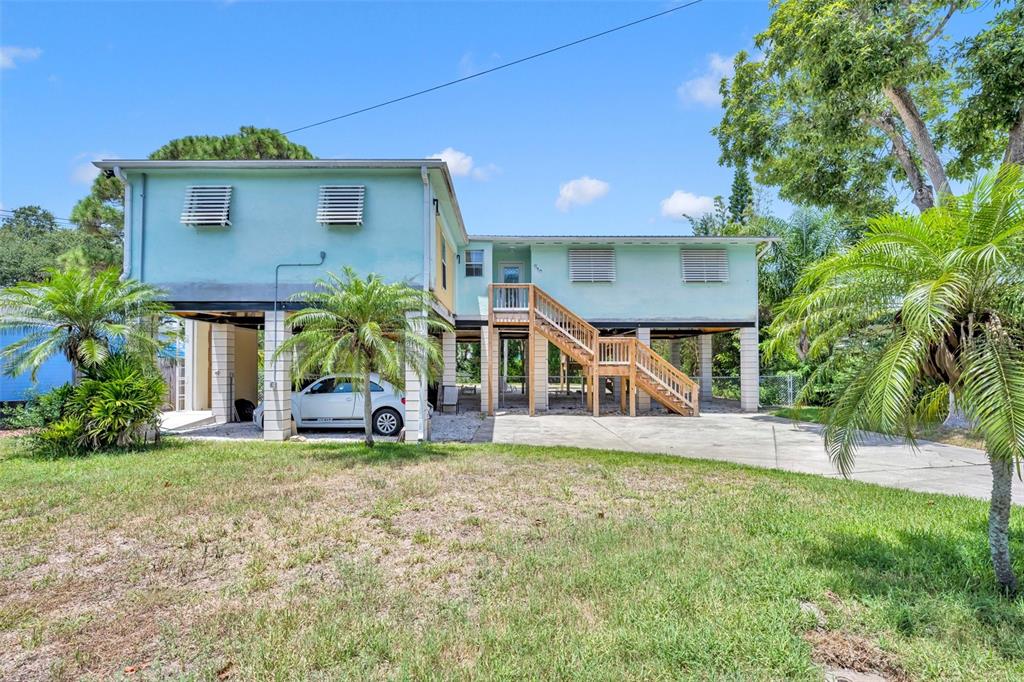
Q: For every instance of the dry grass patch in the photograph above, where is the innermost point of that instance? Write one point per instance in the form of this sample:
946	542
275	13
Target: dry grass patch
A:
254	561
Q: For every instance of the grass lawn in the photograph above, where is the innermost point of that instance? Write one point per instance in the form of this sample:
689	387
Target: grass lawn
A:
285	561
936	433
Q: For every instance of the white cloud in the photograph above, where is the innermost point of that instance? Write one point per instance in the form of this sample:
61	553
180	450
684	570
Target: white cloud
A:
703	89
462	164
10	56
83	172
580	191
680	205
459	163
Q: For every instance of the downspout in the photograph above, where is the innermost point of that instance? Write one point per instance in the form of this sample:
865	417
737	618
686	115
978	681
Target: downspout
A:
126	266
426	227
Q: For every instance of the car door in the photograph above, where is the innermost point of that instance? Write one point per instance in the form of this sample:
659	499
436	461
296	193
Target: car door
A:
376	390
327	401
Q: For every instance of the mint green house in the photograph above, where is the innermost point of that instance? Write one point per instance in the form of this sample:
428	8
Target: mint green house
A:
230	242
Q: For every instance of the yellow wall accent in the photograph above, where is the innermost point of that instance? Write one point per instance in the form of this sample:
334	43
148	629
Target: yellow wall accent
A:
445	294
246	364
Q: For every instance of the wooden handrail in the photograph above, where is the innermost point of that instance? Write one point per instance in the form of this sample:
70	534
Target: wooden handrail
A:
662	372
624	351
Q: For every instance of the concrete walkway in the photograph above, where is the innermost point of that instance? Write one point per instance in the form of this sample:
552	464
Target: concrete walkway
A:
758	440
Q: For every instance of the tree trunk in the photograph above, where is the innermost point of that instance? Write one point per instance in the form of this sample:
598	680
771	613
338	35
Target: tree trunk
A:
907	110
924	197
999	525
956	418
367	410
1015	146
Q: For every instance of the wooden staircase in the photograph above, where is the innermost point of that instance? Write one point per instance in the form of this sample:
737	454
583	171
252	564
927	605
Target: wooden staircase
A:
529	306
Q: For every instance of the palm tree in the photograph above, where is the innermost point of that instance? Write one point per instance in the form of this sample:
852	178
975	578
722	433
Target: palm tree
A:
945	290
79	314
358	326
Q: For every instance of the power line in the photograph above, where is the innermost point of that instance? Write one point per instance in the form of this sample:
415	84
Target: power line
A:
8	212
493	69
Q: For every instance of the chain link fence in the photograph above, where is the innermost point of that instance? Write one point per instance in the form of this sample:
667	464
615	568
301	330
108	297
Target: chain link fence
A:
778	390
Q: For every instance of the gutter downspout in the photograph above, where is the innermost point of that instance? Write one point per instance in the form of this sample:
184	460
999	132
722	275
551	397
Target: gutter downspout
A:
426	227
126	267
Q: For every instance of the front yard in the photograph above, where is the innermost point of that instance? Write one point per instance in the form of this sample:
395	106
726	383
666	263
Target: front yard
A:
252	560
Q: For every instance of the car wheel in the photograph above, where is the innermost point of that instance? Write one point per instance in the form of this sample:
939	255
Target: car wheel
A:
387	422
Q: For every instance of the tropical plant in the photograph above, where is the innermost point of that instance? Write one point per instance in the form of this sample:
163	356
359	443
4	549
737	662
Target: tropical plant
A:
81	315
848	98
38	409
118	402
115	405
946	290
358	326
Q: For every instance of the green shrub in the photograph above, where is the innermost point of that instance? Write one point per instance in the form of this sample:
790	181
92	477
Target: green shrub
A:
62	438
39	410
116	405
119	403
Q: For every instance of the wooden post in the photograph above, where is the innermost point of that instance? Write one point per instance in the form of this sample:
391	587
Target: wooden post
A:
597	389
632	378
623	382
492	367
529	360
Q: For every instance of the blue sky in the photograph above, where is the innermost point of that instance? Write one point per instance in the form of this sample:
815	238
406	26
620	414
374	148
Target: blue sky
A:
610	137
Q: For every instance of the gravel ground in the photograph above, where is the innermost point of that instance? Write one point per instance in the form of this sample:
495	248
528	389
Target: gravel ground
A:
444	427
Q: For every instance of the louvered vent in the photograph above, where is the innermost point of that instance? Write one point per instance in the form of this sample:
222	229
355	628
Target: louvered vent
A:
705	265
207	205
592	265
340	205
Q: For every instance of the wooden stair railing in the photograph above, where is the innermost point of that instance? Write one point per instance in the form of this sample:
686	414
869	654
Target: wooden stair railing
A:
666	383
529	305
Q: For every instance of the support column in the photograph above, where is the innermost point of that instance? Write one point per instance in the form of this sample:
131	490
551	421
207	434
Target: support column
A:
485	368
750	370
277	380
643	400
674	356
417	417
222	367
190	363
448	375
706	366
539	370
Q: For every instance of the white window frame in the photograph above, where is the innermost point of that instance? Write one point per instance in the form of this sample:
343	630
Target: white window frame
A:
444	263
593	272
711	268
480	264
341	205
207	206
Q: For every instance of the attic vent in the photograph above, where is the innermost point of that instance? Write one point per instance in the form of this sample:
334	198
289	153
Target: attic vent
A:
340	205
207	205
705	265
592	265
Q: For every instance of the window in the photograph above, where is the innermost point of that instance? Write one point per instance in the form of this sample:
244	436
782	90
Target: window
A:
444	264
705	265
340	205
592	265
475	263
207	206
322	386
375	387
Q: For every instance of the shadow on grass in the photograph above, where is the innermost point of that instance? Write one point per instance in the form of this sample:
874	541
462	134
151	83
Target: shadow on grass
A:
22	447
353	454
914	578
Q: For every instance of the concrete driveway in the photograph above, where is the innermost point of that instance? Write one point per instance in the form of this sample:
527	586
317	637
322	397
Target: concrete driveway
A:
758	440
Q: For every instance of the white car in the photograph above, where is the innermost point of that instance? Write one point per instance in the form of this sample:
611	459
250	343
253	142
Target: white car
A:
332	402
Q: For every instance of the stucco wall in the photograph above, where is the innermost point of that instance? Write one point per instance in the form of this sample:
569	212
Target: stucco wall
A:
649	285
273	220
246	364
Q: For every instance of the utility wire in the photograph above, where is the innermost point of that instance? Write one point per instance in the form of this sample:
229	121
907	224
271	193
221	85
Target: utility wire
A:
7	213
496	68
